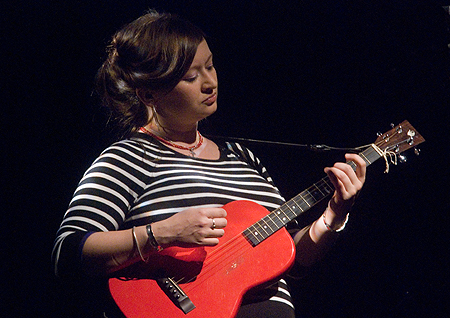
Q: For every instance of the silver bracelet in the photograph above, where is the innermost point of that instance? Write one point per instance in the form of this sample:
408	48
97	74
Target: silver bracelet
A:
137	245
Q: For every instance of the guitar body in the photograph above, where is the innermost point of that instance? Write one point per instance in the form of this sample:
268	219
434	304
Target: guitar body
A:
214	278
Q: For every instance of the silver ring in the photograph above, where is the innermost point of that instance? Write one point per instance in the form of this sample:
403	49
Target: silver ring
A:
213	226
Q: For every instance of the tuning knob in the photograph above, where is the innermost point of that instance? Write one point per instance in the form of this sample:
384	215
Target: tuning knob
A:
416	151
402	158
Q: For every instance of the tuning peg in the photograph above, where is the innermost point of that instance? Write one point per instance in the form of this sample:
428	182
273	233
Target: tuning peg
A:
402	158
416	151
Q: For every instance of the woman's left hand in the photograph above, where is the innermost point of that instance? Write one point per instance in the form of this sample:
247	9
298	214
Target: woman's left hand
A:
347	183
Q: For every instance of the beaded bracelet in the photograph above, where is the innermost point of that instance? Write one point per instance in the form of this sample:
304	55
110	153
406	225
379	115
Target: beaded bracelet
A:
152	240
137	245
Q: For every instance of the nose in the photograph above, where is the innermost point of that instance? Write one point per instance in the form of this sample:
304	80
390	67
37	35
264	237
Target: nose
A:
210	82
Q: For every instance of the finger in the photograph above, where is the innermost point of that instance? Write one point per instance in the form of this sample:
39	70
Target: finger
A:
338	185
361	165
218	223
210	241
348	175
216	233
345	188
216	213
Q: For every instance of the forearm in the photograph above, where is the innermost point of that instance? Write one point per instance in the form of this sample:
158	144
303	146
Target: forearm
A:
312	242
106	252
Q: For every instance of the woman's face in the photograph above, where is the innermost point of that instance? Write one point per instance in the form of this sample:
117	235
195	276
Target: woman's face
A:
194	97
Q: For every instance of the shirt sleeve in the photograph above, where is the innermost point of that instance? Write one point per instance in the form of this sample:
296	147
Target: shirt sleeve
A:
100	203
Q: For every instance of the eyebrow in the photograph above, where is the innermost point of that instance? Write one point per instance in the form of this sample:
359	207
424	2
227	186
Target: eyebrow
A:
206	61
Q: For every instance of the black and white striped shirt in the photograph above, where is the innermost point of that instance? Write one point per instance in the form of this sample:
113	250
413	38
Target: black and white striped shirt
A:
139	181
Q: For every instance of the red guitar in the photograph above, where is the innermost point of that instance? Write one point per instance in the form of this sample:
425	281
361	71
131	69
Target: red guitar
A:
255	251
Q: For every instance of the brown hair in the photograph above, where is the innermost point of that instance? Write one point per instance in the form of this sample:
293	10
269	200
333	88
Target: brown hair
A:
152	53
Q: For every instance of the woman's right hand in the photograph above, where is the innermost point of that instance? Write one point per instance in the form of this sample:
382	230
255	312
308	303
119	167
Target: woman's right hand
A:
191	227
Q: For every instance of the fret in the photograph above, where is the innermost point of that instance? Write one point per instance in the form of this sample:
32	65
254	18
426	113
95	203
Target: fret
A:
266	226
302	207
253	237
275	216
257	228
328	187
311	199
369	155
268	220
249	236
362	155
279	217
255	231
297	205
352	164
316	195
288	211
288	216
372	154
318	189
263	228
304	200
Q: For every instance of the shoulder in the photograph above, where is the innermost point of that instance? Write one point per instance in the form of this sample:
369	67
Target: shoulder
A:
242	152
134	145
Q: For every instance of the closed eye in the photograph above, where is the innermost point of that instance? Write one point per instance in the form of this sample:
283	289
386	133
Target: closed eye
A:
190	79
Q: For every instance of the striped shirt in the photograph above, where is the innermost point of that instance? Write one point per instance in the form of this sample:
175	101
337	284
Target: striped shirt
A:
138	181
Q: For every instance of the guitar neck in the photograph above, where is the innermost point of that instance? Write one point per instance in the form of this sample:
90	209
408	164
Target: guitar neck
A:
302	202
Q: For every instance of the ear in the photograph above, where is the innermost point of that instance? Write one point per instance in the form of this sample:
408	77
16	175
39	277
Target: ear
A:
144	96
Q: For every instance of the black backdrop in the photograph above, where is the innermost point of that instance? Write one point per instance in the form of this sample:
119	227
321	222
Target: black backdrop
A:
323	72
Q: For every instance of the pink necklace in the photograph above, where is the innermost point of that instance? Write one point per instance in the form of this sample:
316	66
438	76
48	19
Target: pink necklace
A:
171	143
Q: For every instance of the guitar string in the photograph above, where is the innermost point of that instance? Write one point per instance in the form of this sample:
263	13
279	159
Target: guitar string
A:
216	254
211	256
211	263
224	262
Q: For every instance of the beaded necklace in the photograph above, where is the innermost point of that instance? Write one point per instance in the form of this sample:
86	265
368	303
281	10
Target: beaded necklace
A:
171	143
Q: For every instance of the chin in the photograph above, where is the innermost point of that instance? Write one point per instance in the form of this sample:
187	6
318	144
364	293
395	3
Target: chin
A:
209	110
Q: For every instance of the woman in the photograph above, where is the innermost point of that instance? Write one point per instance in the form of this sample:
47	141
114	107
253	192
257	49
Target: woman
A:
165	184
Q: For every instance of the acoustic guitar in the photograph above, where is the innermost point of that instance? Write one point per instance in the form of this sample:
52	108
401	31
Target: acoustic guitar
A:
255	251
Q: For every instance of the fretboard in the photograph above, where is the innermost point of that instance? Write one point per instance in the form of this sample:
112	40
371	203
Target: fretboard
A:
302	202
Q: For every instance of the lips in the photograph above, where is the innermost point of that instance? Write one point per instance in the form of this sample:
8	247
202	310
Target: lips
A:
210	100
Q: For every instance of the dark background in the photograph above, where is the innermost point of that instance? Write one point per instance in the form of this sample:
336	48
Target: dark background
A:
309	72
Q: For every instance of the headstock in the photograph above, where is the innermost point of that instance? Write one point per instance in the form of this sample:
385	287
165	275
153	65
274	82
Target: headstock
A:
400	138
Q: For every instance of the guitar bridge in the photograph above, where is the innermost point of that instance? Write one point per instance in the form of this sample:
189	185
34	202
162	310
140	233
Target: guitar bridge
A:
176	294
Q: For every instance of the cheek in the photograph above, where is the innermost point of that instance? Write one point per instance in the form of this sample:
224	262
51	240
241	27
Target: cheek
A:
179	102
185	97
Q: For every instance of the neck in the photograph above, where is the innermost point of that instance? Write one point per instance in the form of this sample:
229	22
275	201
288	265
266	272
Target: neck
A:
187	135
186	147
